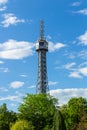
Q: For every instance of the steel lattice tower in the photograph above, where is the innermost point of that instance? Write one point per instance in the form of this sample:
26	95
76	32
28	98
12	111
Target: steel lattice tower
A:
42	48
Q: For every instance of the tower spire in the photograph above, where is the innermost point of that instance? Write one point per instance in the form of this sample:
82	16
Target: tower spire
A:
41	29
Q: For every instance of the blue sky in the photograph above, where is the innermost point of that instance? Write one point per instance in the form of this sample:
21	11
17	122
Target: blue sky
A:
65	30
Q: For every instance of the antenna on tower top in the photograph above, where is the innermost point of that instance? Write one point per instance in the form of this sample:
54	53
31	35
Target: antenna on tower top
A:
41	29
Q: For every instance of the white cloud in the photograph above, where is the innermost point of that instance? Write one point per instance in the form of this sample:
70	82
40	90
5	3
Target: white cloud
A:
52	83
64	95
1	62
4	70
83	54
3	2
13	98
10	98
3	8
76	4
75	74
16	84
32	86
84	64
13	49
83	11
83	71
23	75
49	37
69	65
78	71
11	19
83	39
53	47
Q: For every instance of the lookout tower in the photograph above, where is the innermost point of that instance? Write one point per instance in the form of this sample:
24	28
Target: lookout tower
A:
42	48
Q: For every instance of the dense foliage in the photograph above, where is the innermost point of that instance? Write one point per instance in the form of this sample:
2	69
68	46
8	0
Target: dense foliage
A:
6	117
41	112
75	113
39	109
58	122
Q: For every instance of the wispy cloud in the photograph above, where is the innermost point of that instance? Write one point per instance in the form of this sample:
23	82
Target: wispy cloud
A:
80	40
3	2
4	70
48	37
3	8
23	75
1	62
32	86
13	98
53	47
16	84
83	54
11	19
76	4
13	49
83	71
83	38
76	71
64	95
75	74
10	98
69	65
83	12
52	83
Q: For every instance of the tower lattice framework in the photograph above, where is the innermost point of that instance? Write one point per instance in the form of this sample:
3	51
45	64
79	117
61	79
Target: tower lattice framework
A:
42	48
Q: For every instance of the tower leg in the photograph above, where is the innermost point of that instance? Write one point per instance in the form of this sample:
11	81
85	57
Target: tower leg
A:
42	81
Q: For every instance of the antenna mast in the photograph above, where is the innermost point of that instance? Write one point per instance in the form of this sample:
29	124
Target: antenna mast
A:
41	29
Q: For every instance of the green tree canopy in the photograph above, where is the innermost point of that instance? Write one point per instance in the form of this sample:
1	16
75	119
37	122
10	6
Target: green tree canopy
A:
74	111
38	108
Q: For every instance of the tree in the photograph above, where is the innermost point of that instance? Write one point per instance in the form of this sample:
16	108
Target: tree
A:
6	117
3	108
73	112
3	117
22	125
39	109
58	123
